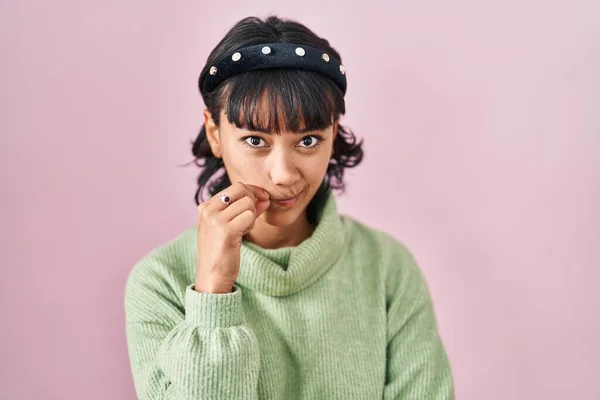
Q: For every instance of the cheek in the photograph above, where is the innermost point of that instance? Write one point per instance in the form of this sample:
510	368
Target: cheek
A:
315	167
241	164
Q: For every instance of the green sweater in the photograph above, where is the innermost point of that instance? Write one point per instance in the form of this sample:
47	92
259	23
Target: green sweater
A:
344	315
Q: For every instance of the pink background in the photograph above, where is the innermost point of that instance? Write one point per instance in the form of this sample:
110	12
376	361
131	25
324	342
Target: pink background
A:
481	124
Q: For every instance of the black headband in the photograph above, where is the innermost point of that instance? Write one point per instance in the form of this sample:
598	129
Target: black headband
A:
275	55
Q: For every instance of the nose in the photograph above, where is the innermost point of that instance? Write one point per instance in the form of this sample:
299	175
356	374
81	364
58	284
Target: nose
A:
282	168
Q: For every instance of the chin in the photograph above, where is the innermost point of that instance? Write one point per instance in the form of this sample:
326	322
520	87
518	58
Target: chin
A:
281	218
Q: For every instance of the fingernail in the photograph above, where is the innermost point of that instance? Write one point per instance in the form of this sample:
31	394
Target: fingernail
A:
266	193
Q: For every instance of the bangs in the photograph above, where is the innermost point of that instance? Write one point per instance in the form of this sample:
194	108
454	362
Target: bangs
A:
282	100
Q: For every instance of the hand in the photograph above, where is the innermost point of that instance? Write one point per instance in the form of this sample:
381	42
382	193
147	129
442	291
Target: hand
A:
220	231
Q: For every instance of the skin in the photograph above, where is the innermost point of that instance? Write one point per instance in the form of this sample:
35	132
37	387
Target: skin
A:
283	165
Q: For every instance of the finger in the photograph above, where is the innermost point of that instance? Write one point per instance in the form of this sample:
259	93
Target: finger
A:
235	192
238	207
261	206
258	191
241	224
263	199
247	190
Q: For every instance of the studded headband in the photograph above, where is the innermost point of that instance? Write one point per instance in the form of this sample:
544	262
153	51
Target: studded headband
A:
275	55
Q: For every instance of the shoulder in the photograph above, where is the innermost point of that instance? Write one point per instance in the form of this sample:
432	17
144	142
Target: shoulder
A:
164	272
375	240
172	256
398	263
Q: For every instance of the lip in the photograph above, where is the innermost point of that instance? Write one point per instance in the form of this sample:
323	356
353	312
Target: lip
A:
287	202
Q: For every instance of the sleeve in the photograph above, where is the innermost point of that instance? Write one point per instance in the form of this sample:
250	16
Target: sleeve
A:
203	351
417	367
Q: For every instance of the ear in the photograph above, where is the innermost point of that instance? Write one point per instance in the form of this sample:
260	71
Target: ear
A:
212	134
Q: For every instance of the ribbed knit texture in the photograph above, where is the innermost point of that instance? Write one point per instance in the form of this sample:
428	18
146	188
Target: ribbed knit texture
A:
344	315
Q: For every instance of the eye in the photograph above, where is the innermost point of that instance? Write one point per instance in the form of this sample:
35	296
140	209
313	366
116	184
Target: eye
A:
253	141
310	141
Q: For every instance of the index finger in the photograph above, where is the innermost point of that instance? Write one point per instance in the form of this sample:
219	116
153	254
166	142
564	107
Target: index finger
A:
258	191
235	192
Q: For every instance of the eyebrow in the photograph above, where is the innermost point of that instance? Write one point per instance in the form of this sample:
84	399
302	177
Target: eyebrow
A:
299	132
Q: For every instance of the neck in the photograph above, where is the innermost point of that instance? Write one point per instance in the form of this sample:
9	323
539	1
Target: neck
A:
273	237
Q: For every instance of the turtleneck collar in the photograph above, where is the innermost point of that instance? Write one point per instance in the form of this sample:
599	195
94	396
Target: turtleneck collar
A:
287	270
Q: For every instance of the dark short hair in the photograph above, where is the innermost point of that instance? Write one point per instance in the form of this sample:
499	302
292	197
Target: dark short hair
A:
297	99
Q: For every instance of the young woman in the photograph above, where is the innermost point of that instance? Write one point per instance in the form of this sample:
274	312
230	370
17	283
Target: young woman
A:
272	294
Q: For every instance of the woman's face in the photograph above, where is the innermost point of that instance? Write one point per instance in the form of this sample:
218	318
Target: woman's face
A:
288	166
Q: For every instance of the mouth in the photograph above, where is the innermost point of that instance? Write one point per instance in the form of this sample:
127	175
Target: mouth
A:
287	202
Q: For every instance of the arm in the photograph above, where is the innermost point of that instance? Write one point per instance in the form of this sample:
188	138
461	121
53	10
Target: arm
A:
418	367
204	351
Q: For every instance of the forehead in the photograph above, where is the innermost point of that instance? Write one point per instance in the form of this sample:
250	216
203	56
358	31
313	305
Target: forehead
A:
275	113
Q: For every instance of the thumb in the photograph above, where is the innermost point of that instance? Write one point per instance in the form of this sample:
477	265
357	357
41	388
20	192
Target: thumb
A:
261	206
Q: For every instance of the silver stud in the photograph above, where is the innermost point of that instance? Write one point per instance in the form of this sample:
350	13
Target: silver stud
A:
300	51
213	70
266	50
236	56
342	69
325	57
